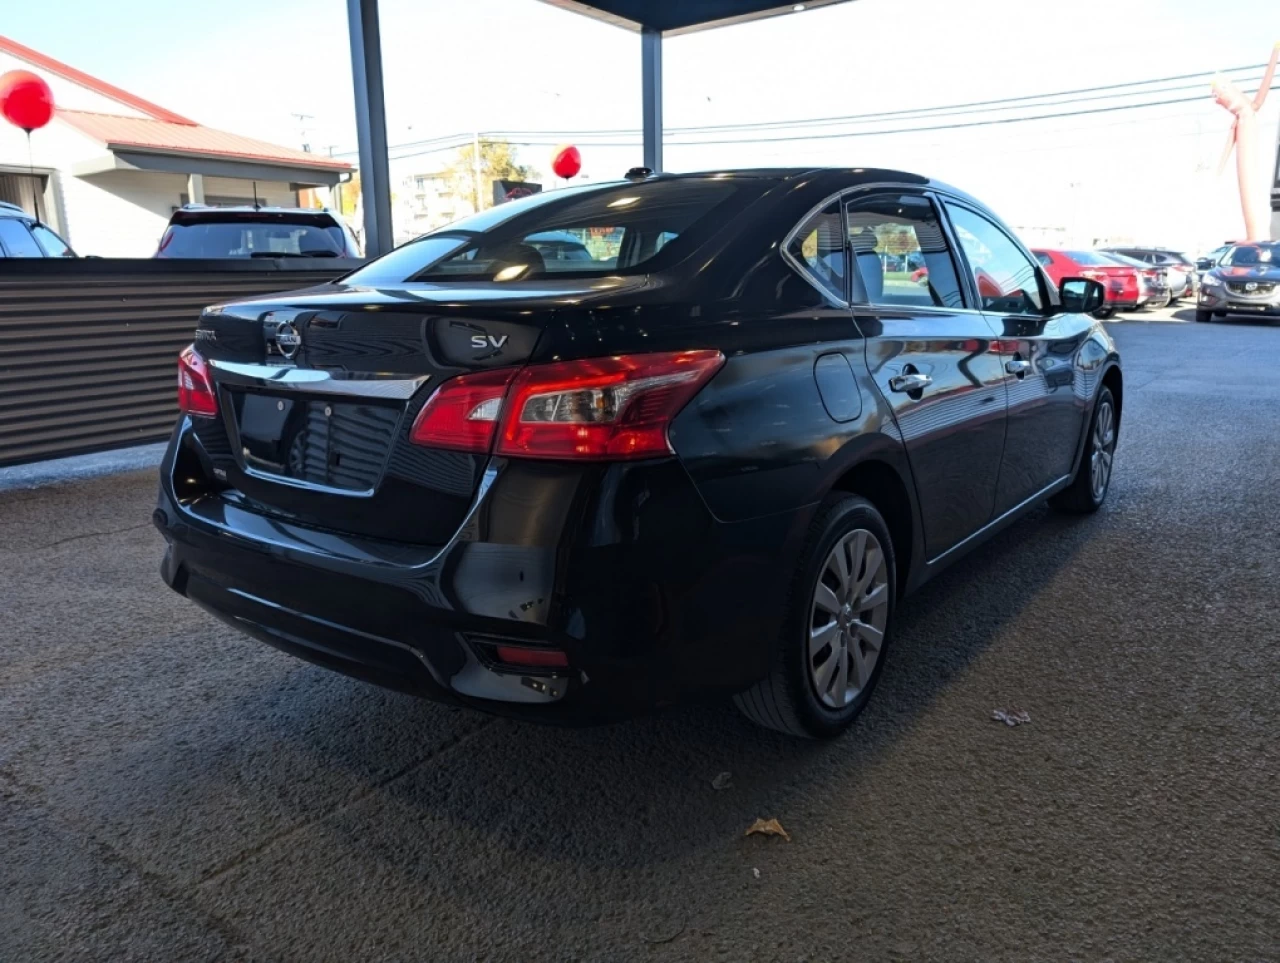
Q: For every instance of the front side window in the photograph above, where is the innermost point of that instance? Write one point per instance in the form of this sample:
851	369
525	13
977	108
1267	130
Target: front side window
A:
16	240
817	246
900	252
1006	279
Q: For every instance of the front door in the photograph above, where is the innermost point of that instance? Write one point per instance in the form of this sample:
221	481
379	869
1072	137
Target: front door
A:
931	355
1037	347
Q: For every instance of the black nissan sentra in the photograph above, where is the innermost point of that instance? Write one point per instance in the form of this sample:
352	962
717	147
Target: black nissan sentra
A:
713	456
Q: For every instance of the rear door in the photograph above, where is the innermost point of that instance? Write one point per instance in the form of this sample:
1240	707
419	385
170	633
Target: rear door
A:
1037	347
931	355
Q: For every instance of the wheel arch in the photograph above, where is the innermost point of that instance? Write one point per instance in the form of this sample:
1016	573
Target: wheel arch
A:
882	484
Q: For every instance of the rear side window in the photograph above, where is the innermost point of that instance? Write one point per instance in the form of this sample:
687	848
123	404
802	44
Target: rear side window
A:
242	238
1007	280
900	252
53	245
16	239
817	248
1043	258
609	230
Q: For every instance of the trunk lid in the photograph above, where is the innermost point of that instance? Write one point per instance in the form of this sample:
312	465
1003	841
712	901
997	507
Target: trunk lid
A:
318	390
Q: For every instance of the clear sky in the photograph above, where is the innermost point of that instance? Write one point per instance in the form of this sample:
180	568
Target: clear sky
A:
461	65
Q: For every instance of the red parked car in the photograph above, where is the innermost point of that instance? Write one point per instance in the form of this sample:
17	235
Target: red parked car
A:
1124	291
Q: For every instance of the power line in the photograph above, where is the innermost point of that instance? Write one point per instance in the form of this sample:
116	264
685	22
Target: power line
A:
882	115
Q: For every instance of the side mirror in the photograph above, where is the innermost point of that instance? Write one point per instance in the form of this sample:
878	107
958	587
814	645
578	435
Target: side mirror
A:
1204	264
1082	295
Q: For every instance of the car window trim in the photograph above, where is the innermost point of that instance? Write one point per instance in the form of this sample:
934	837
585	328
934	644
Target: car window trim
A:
942	197
1052	306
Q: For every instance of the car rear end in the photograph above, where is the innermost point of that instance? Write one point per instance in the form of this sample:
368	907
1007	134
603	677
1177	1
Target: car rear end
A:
1121	283
214	233
442	488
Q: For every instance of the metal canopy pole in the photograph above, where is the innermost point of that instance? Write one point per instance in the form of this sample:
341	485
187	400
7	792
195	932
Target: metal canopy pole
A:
371	124
651	96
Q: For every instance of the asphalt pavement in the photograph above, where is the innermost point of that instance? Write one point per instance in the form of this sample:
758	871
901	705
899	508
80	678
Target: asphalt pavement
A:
172	791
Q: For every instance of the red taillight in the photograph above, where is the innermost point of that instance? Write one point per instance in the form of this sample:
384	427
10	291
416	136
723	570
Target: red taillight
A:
602	408
598	409
463	413
196	395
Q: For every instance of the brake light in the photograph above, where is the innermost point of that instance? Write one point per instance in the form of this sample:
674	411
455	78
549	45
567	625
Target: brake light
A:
540	658
602	408
463	413
196	395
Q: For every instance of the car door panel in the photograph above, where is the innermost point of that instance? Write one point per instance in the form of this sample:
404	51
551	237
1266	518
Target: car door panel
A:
931	357
1038	346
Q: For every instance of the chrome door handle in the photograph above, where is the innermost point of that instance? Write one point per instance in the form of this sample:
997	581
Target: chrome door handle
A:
910	382
1016	366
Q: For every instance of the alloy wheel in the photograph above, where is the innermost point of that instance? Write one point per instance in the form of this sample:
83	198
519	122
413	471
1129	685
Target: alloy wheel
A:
848	617
1103	449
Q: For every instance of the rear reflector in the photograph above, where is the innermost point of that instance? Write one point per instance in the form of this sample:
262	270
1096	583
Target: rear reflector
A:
463	413
541	658
196	395
602	408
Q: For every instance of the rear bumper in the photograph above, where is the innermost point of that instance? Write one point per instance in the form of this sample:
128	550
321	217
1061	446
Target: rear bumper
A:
621	567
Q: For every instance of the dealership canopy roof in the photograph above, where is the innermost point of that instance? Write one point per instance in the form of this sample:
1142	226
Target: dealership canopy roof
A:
684	16
653	19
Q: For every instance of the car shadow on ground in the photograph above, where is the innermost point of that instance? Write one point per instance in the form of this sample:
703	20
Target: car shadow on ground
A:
519	785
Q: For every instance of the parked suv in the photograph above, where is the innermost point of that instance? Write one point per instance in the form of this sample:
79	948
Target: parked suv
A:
1180	270
196	231
1246	281
21	235
711	458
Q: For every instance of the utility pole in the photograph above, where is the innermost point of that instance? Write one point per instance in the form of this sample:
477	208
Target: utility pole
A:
303	129
475	163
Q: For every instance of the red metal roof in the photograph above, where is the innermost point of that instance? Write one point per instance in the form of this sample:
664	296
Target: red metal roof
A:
37	59
143	133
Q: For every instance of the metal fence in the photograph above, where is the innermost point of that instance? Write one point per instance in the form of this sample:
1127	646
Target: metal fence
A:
88	347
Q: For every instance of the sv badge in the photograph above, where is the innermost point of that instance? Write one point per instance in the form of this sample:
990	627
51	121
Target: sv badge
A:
483	341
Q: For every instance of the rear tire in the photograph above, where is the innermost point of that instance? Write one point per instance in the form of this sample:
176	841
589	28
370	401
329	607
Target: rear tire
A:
837	626
1204	317
1088	489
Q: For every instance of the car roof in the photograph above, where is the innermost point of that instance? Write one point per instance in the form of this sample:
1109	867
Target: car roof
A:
249	209
13	210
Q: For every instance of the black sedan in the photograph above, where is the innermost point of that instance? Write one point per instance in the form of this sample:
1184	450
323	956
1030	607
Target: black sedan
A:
713	457
1246	281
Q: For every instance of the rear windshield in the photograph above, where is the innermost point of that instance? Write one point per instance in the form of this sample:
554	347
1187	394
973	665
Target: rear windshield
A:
1090	259
583	232
242	237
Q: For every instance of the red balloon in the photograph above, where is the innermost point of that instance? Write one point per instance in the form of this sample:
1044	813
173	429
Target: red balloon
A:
25	100
567	162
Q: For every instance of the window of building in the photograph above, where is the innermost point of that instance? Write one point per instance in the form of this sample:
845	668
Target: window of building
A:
901	253
1008	282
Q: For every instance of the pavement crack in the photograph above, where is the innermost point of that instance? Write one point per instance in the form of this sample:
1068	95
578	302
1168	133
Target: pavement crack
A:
267	842
77	538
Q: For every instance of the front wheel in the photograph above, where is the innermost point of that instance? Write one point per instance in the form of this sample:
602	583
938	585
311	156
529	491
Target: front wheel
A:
836	632
1088	489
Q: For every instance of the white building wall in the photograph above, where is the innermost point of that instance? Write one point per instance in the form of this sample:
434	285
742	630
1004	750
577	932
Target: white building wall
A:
124	213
